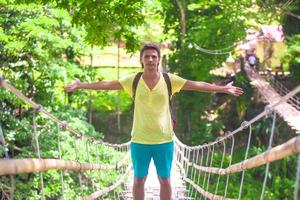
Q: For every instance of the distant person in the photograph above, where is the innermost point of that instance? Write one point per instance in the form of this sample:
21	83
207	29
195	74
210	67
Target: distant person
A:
152	131
252	60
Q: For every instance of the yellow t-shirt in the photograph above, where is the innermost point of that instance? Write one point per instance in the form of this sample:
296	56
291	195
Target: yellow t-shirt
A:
152	119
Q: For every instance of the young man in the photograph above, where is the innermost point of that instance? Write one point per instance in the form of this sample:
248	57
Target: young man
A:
152	129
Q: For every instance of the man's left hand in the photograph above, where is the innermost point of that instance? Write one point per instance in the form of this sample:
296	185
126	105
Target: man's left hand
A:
232	90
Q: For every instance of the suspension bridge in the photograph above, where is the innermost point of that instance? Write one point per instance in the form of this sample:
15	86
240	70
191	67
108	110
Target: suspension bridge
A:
205	171
271	91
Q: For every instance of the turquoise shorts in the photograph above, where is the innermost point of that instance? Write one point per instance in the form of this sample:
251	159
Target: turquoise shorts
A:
162	155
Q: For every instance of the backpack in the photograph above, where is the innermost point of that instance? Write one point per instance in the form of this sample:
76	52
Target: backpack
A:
169	86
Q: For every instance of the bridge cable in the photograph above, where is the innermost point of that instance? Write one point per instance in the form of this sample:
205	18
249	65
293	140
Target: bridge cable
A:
221	166
44	163
87	146
194	171
269	147
37	148
77	160
5	150
206	164
60	157
199	173
193	159
230	161
210	165
188	161
246	156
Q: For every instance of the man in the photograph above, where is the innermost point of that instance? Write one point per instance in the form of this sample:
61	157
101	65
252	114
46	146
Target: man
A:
152	129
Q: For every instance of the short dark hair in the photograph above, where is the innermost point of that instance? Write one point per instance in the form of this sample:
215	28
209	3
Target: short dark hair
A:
150	46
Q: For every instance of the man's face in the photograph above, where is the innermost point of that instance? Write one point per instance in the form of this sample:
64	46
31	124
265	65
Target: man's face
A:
150	59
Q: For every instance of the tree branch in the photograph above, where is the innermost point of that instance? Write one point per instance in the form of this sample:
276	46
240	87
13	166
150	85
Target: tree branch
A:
182	15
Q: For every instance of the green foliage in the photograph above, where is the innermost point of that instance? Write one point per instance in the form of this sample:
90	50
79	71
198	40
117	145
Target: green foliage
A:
33	43
211	25
290	22
280	182
243	102
50	137
107	101
40	51
152	27
104	20
292	56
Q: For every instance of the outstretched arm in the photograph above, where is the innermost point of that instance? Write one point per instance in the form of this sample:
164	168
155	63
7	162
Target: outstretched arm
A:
101	85
207	87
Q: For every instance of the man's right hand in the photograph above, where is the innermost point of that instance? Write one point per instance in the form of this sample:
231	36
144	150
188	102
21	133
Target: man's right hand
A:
73	86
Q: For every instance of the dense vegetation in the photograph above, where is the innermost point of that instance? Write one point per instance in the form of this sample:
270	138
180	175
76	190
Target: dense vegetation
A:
41	47
40	54
217	25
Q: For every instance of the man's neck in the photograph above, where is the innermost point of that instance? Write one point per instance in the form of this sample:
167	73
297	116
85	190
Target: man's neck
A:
151	74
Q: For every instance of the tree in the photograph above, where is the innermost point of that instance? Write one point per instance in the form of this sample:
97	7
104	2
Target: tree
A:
39	47
211	25
104	20
291	26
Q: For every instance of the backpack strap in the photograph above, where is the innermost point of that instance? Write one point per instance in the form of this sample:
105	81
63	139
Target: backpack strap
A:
169	85
135	83
168	82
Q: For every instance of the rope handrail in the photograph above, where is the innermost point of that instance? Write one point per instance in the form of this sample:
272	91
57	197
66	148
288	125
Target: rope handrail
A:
279	152
245	124
204	192
106	190
276	153
279	87
287	111
29	165
63	124
220	51
179	164
183	152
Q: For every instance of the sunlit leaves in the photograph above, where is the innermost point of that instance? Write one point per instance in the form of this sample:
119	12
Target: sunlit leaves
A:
104	20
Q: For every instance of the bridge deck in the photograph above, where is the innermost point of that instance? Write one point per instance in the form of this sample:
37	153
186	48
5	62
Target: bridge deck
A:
289	113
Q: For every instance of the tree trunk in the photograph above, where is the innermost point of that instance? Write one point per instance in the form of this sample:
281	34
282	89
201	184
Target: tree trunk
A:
180	5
